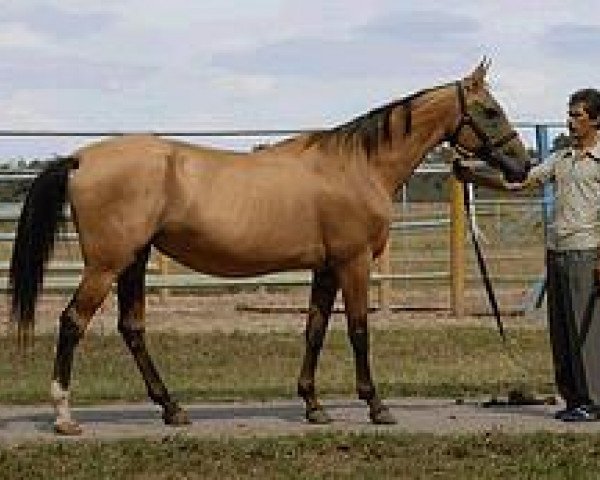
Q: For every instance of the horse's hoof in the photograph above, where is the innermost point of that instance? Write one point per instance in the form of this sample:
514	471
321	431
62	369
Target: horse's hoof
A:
318	416
67	427
382	416
176	418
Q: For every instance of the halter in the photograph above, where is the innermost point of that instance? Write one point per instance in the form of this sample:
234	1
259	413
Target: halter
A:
484	151
466	120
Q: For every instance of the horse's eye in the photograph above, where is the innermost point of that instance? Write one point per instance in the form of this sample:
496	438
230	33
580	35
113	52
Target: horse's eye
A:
491	113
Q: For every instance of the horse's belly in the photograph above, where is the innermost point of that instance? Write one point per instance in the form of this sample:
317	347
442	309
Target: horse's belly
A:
239	255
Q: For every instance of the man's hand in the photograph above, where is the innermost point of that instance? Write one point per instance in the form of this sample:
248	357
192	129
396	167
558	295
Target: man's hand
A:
460	171
514	186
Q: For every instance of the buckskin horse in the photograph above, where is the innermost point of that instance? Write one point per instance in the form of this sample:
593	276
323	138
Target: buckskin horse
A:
320	201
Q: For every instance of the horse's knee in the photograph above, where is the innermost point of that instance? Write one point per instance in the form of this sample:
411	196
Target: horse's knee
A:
315	330
127	331
359	338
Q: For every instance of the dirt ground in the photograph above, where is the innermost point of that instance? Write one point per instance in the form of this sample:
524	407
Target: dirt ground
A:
284	417
245	311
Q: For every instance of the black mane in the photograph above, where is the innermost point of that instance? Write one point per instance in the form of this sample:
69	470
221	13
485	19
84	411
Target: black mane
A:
370	130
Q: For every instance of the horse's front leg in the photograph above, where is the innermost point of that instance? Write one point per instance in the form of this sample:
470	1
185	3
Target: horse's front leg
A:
354	282
322	297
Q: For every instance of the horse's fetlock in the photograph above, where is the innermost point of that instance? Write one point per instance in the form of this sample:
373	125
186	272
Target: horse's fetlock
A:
366	392
306	389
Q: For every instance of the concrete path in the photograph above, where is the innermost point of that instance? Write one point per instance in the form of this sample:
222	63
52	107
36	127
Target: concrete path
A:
438	416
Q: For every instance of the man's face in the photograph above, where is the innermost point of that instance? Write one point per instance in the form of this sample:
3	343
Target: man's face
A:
579	122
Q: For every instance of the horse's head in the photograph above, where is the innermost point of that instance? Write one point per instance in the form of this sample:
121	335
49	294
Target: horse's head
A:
484	131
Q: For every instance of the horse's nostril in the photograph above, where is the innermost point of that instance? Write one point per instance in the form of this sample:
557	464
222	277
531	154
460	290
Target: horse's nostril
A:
515	175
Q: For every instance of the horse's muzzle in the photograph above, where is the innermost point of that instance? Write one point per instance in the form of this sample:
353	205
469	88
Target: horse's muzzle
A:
513	169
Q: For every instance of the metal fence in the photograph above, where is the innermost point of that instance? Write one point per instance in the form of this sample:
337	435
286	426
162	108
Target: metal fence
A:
413	227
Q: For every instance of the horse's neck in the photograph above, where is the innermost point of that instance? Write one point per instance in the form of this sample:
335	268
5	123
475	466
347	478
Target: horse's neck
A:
395	164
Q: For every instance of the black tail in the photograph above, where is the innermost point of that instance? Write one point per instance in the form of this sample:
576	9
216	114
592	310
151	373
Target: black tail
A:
38	224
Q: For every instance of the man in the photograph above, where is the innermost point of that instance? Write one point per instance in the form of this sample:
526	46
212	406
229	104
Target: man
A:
572	242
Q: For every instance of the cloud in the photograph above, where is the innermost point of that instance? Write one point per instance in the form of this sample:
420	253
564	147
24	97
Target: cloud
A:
305	57
423	27
47	47
386	46
58	23
16	35
571	41
43	70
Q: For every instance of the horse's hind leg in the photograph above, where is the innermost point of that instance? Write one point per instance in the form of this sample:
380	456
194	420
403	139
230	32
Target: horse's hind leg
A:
131	326
323	292
92	290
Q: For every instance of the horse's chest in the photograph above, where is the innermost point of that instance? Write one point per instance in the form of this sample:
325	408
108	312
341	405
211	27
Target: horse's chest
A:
355	230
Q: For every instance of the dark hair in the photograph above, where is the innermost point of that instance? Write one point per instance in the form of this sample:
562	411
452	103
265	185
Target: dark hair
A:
590	97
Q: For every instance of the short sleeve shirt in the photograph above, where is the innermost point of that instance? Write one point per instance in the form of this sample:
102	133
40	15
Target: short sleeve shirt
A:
576	178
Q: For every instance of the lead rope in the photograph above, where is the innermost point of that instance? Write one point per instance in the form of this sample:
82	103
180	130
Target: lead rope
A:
482	265
517	363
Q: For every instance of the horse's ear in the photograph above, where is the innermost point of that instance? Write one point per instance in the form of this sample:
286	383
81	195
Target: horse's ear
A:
476	79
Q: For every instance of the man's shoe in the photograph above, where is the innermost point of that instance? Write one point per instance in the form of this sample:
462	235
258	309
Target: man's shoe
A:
559	414
580	414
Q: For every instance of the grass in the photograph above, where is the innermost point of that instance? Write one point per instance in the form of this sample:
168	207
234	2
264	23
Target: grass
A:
432	361
365	456
429	360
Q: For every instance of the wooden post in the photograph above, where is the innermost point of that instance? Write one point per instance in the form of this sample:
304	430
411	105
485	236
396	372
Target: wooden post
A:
386	284
163	266
457	247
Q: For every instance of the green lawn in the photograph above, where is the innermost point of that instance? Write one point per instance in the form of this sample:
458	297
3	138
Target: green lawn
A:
432	361
365	456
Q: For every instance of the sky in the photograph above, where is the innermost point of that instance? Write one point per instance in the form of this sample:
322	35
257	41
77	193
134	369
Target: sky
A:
275	64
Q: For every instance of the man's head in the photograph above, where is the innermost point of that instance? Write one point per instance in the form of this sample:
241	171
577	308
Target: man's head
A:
584	113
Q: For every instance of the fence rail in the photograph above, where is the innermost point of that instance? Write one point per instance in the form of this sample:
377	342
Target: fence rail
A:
160	277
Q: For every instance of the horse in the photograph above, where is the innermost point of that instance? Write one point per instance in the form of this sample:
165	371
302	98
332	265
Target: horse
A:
319	201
